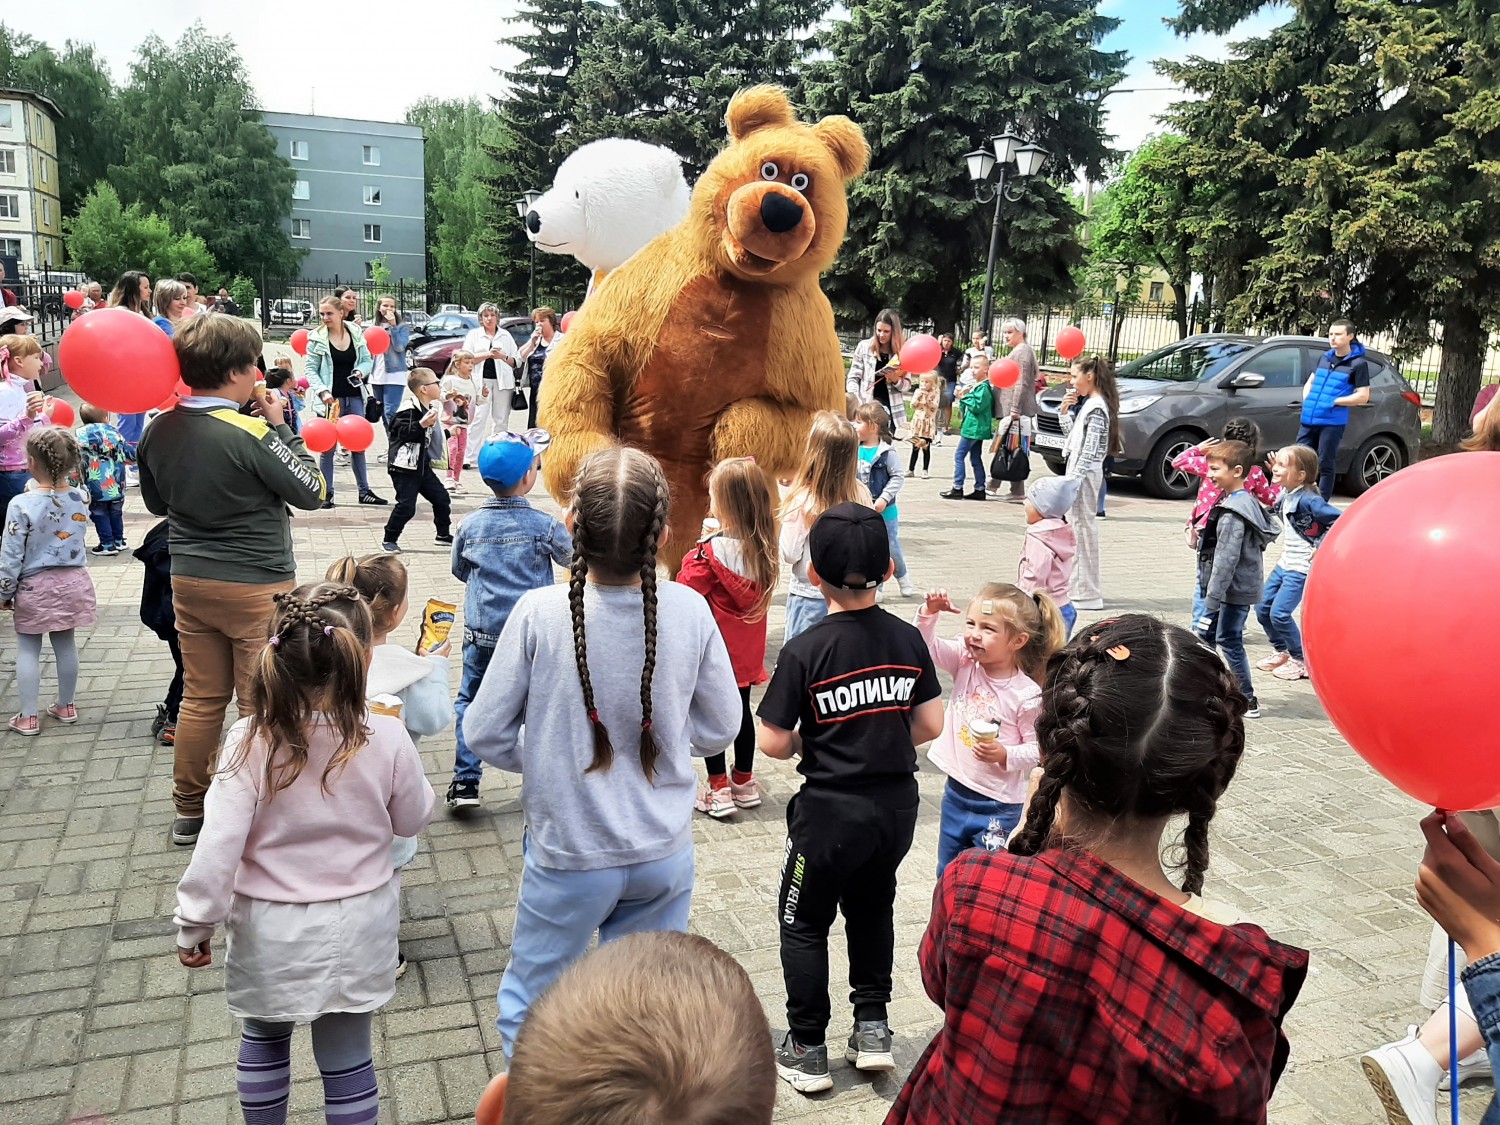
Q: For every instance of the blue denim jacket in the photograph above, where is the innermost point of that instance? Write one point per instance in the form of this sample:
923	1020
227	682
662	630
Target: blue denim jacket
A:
502	550
1482	982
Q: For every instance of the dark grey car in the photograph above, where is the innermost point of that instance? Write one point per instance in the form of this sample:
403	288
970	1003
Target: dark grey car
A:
1179	395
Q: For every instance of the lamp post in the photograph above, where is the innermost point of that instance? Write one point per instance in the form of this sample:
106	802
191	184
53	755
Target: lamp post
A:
985	165
523	209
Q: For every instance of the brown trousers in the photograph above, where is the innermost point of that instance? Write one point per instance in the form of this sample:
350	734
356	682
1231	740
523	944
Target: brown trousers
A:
222	628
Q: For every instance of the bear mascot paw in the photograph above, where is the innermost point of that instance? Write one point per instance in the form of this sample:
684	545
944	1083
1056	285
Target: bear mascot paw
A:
608	199
715	340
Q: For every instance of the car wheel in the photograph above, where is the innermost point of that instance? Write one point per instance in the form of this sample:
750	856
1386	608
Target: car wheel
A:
1161	478
1058	467
1378	458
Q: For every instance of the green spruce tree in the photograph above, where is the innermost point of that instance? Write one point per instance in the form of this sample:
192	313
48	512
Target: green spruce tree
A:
930	84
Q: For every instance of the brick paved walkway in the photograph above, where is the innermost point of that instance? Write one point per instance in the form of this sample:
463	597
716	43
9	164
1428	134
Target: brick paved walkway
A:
97	1017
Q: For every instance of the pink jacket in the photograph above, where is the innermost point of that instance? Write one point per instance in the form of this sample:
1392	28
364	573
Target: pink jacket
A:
304	845
1012	702
1194	461
1047	559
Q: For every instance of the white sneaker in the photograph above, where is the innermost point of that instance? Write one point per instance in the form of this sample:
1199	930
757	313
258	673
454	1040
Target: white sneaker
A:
925	474
907	589
1405	1079
1274	661
880	593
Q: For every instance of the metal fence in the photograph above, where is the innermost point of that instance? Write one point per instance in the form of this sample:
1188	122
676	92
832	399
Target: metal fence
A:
41	293
285	302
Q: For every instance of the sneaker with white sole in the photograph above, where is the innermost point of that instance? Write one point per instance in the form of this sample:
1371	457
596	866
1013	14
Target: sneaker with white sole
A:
463	794
870	1046
1293	669
1405	1078
716	801
1253	711
1274	661
907	589
804	1068
746	796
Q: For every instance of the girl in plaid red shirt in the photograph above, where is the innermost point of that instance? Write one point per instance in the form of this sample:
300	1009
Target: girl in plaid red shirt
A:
1078	982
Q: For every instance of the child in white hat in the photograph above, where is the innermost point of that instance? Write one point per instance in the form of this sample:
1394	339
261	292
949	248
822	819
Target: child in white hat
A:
1048	548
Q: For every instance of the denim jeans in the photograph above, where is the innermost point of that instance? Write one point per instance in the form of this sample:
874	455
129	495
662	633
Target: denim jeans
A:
466	765
1069	616
1481	980
1226	631
390	399
1323	440
972	820
1282	595
973	449
803	613
12	484
893	537
1198	606
354	405
109	521
559	911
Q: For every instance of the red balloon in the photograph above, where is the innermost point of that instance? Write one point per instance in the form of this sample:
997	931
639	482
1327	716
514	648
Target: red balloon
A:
1435	737
567	319
62	413
1070	343
180	391
355	434
319	435
920	354
299	341
378	340
73	299
117	360
1004	373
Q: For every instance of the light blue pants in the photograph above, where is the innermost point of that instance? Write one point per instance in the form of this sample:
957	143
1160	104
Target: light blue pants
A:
559	911
803	613
893	537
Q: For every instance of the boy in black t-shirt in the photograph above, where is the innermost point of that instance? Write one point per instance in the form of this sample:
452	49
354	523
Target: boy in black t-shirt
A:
851	696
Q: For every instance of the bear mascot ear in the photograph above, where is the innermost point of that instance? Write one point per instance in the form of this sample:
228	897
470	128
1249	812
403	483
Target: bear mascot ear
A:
759	107
846	141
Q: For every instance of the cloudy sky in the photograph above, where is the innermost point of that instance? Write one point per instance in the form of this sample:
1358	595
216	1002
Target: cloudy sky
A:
372	58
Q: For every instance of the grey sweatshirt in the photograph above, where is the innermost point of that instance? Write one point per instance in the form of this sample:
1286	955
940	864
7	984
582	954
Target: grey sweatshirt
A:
579	821
1231	551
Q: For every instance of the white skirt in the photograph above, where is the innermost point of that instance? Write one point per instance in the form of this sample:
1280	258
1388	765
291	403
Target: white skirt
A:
291	962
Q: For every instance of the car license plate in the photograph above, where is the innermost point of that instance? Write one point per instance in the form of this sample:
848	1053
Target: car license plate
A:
1050	441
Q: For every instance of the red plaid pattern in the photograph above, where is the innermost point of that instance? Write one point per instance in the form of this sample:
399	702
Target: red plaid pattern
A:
1071	994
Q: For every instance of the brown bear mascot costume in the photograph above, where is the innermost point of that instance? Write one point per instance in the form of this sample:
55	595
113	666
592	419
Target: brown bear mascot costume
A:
715	340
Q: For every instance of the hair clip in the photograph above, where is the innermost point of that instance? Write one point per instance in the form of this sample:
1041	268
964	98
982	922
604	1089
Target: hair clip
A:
328	630
274	642
1119	652
987	607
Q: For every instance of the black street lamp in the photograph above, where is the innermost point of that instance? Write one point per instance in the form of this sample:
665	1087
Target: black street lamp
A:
985	165
523	209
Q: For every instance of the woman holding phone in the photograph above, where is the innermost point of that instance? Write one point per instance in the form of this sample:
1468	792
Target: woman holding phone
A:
534	355
496	353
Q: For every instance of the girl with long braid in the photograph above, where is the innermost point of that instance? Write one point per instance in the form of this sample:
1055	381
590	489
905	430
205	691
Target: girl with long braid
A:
614	712
1078	981
294	858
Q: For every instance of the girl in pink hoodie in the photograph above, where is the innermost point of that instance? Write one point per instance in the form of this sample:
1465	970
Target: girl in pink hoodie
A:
1048	548
988	746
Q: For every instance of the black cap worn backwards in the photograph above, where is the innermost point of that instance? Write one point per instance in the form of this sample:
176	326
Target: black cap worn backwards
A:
849	547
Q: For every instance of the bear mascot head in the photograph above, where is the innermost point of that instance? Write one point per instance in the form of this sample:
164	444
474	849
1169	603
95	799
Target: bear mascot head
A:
608	199
715	340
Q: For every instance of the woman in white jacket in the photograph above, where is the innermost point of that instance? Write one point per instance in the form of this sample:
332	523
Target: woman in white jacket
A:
875	374
1090	436
498	359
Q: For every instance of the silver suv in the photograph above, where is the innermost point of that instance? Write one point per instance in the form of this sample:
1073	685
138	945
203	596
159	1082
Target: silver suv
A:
1179	395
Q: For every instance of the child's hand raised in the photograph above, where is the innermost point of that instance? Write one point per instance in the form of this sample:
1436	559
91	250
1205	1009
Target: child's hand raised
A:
937	602
199	957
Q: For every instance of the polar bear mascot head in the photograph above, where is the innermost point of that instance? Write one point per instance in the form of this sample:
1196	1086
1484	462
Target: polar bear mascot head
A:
608	199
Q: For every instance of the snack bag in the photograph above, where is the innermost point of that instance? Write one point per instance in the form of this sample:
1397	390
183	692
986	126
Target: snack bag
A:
437	623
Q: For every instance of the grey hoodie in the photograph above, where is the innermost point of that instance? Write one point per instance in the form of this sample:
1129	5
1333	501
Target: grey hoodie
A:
1231	551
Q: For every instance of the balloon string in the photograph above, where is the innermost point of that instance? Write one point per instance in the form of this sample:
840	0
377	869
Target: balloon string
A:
1453	1030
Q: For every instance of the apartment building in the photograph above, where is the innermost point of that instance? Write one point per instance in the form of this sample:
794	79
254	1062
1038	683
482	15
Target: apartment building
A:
30	206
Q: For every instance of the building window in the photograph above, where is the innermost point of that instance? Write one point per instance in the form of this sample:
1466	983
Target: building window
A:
46	212
47	250
301	190
372	196
7	161
369	271
10	206
301	228
372	232
6	121
372	155
10	247
1158	293
44	169
299	150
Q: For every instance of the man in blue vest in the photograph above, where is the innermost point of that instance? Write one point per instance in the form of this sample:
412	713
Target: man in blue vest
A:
1342	380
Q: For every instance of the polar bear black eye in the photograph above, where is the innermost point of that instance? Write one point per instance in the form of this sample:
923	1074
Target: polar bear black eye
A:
769	171
800	181
577	195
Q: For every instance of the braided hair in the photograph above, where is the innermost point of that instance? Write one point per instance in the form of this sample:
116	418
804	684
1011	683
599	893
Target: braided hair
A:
1139	721
313	664
621	505
56	451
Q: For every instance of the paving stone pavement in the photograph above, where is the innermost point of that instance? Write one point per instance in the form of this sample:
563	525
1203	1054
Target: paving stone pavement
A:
97	1017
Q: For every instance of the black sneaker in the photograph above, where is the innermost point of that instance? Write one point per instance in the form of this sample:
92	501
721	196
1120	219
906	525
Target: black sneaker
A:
444	540
805	1068
463	795
1254	710
952	494
371	499
328	504
870	1046
185	830
977	494
104	549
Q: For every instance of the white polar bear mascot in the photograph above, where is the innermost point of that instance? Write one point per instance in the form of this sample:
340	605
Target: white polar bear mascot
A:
608	199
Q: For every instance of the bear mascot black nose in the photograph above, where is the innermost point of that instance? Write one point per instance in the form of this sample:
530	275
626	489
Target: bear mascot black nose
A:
533	222
779	213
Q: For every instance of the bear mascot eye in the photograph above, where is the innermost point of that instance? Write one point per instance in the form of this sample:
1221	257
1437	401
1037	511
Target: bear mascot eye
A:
769	171
801	182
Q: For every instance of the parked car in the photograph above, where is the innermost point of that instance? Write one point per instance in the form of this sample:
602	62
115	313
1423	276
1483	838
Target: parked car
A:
289	311
1179	395
415	317
431	350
